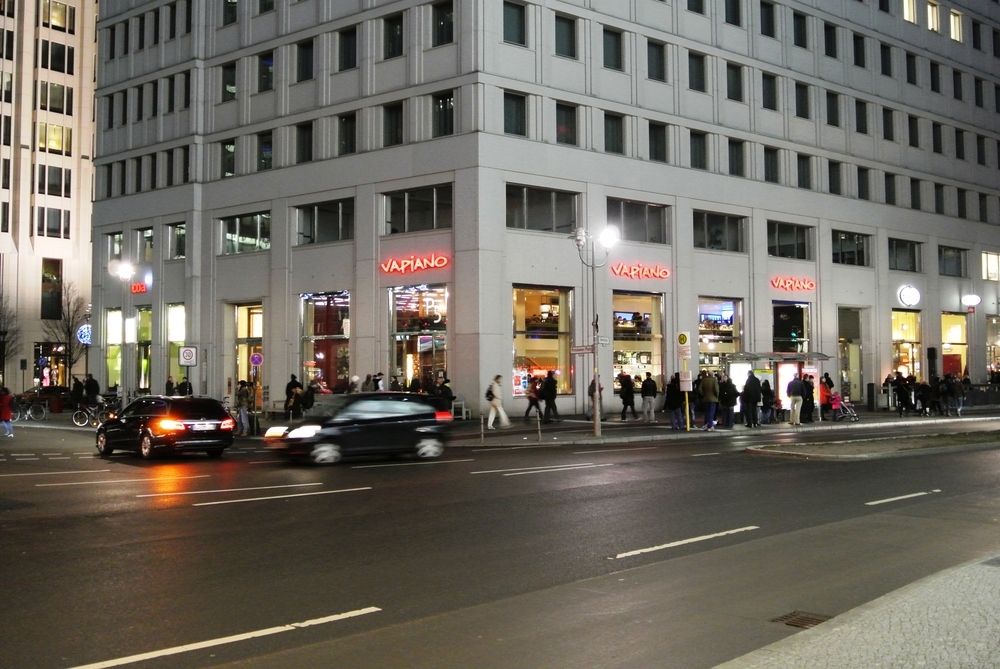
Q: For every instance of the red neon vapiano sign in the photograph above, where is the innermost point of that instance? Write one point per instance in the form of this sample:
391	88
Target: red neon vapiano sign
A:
640	271
791	283
413	264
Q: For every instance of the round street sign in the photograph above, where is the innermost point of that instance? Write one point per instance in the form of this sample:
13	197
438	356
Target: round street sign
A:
256	359
188	356
683	338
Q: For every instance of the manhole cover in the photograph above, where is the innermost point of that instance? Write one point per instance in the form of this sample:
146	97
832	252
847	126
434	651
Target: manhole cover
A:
801	619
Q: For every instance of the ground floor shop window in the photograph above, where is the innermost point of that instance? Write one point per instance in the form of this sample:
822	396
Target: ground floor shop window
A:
143	347
638	335
175	340
790	327
906	342
954	344
720	330
993	346
113	336
50	365
326	331
542	335
249	345
849	347
420	324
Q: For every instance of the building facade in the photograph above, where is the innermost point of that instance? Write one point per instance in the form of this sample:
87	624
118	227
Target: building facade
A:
47	52
335	188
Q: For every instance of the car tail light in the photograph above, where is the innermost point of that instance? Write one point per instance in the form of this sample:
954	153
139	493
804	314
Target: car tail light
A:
443	416
170	425
227	424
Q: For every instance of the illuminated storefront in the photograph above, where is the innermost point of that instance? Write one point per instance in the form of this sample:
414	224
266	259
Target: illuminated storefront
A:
326	332
175	340
638	337
954	344
906	342
113	341
143	347
542	335
720	330
419	333
249	341
993	343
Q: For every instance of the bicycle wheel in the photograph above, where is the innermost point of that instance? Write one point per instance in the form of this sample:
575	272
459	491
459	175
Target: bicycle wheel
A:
81	418
102	416
36	412
15	415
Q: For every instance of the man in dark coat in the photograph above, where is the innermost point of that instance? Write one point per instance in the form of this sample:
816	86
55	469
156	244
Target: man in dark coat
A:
627	395
750	398
549	391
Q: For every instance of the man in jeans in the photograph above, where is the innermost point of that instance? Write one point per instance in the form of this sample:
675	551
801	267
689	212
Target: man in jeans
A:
648	393
709	388
795	390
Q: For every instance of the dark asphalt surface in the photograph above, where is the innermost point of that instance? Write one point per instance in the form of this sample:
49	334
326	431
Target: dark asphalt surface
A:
489	557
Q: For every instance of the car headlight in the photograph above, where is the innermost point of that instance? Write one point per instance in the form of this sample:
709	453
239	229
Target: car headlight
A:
305	431
275	432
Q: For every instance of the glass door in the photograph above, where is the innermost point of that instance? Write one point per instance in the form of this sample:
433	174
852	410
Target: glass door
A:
249	344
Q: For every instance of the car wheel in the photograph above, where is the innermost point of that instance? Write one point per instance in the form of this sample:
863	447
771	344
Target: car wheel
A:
215	453
146	447
102	445
430	448
325	454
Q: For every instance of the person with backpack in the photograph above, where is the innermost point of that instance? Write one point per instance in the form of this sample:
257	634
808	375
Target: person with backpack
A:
496	405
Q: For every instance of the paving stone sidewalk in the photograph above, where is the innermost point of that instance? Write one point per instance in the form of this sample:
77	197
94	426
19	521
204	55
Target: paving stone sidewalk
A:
950	620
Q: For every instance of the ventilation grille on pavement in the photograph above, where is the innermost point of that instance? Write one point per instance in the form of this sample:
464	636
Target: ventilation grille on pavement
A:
801	619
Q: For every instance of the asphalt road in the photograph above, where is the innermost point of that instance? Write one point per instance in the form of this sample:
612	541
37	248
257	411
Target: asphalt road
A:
663	555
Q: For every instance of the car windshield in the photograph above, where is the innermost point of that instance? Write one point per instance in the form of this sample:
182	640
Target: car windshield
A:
197	409
330	406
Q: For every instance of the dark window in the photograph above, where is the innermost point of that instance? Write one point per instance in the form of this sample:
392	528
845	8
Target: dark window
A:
392	124
861	116
850	248
304	61
696	72
265	71
392	36
832	109
734	82
956	81
890	188
935	70
52	281
347	133
229	12
443	23
977	35
962	202
888	125
515	114
733	12
864	183
515	28
984	211
246	234
347	55
800	34
566	36
937	143
767	19
566	124
977	92
265	6
938	199
613	58
834	170
323	222
718	232
915	194
658	142
951	261
769	91
785	240
737	158
656	61
859	51
265	151
885	52
443	114
638	221
804	165
913	127
229	82
980	149
541	209
614	133
771	164
883	6
959	144
696	6
228	154
911	69
801	100
303	143
699	150
830	39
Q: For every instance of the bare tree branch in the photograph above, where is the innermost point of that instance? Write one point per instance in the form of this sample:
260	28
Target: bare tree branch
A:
63	330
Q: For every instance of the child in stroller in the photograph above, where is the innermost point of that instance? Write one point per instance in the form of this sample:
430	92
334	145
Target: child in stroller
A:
842	408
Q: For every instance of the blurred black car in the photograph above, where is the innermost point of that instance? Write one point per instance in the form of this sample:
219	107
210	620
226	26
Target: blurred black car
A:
365	424
155	424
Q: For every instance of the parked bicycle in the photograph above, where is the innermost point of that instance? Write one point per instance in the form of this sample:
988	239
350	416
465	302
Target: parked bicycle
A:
92	415
29	411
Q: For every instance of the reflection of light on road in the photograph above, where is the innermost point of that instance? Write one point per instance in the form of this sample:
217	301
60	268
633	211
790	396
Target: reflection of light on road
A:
165	479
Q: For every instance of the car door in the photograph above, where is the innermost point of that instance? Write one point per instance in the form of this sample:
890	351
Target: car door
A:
365	425
411	413
117	430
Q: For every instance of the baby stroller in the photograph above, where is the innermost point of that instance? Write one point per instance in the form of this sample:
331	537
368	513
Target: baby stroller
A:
842	408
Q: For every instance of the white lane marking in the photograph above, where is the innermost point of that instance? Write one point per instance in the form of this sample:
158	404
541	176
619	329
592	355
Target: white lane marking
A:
301	494
206	492
513	448
701	455
169	478
227	639
616	450
682	542
521	469
82	471
87	453
264	462
51	453
20	455
19	459
61	457
411	464
561	469
896	499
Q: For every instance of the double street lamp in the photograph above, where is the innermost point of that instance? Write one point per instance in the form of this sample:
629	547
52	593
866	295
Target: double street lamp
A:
586	245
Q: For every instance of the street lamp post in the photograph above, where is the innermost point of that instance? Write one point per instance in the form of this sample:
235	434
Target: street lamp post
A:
585	245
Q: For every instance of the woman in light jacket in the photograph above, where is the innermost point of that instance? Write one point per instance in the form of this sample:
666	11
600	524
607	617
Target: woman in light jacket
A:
496	406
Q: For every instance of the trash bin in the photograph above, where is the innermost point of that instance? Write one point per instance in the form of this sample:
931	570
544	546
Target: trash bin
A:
55	405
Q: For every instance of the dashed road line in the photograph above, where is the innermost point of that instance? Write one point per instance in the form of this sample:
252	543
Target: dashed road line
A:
560	469
61	457
701	455
896	499
301	494
682	542
616	450
411	464
82	471
539	467
207	492
22	459
153	479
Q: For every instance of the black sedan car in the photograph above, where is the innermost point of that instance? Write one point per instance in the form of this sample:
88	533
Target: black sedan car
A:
151	425
365	424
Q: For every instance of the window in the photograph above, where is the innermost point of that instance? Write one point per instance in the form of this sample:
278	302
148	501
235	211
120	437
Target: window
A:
303	143
56	15
864	183
614	58
323	222
733	13
566	37
51	138
951	261
977	92
962	202
933	16
442	23
834	169
801	100
144	245
566	124
977	35
246	234
53	55
850	248
996	43
938	199
980	149
804	165
800	35
859	51
911	69
885	55
392	124
543	332
229	12
265	151
515	28
392	36
51	97
956	26
53	223
697	6
913	128
734	82
228	157
769	91
169	167
347	134
718	232
767	19
984	213
956	84
638	221
418	209
890	188
347	51
737	158
699	150
656	61
771	165
139	106
915	194
910	10
786	240
171	94
658	142
936	142
265	72
126	36
959	144
614	133
541	209
228	82
888	125
265	6
861	116
116	245
515	114
443	114
176	241
141	36
832	109
935	70
303	61
52	288
696	72
991	266
830	40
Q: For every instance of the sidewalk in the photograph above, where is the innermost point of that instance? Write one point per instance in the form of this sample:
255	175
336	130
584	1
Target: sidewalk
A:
948	620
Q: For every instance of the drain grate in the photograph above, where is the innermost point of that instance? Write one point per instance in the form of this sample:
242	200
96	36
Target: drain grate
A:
801	619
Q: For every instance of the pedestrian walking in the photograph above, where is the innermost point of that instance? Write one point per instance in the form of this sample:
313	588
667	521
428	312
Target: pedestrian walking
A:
796	391
627	395
394	384
673	402
901	389
550	389
958	391
242	404
445	393
749	399
6	411
534	394
709	388
496	404
647	391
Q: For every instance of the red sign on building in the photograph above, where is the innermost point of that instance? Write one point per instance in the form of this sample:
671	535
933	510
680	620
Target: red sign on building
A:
791	283
413	264
139	287
640	271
